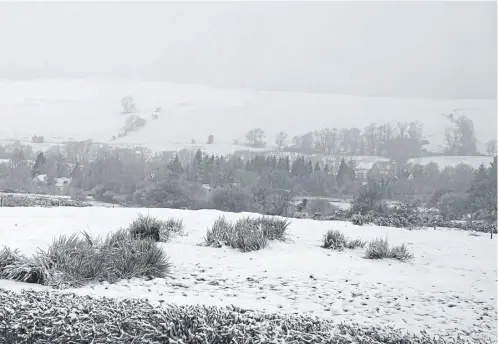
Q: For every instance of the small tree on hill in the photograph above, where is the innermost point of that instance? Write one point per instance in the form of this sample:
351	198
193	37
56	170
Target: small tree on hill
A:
128	104
255	138
210	139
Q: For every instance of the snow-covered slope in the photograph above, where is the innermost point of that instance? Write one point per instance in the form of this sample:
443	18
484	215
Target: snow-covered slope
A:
84	109
449	287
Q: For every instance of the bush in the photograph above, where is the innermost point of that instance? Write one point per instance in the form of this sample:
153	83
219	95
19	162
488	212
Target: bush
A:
221	233
246	234
149	227
274	228
15	266
379	249
67	318
249	235
74	261
360	220
232	199
320	206
336	240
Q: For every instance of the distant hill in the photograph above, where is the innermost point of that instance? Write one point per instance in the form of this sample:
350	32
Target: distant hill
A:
91	109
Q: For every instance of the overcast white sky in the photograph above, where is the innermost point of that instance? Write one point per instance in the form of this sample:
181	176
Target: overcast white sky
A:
405	49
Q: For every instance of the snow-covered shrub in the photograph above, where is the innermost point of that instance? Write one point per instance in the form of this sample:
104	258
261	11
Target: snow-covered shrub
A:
354	243
336	240
400	253
221	233
150	227
379	249
231	198
360	220
274	228
246	234
15	266
75	260
249	235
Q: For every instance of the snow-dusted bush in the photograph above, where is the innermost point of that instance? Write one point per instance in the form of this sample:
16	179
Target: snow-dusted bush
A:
67	318
16	266
249	235
274	228
221	233
379	249
75	260
336	240
400	253
246	234
150	227
360	220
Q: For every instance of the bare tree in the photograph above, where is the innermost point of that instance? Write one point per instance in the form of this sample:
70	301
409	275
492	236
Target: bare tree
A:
491	147
255	138
128	104
280	139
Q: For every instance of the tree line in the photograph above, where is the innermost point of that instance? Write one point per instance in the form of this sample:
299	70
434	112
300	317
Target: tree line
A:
266	184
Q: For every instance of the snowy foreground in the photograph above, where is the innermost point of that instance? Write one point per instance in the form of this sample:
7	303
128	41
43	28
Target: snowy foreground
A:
448	288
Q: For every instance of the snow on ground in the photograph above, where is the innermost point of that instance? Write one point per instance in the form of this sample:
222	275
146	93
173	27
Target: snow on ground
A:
90	109
449	287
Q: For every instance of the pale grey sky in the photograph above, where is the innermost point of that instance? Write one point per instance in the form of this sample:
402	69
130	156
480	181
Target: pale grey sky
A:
400	49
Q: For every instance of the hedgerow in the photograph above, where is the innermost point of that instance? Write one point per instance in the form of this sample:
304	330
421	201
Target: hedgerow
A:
46	317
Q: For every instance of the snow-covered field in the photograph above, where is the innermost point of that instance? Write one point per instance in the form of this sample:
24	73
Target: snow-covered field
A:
91	109
449	287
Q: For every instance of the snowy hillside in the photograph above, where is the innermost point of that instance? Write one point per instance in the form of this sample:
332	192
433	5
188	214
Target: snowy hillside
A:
449	286
83	109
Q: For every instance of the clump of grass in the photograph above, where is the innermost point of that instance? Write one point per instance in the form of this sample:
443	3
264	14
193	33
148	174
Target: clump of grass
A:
249	235
274	228
221	233
400	253
379	249
352	244
336	240
75	260
150	227
175	226
15	266
246	234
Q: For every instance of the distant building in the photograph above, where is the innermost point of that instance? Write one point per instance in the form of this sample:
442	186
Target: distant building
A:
62	183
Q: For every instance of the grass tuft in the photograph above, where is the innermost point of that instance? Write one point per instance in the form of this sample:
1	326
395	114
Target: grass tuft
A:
150	227
379	249
246	234
336	240
74	260
274	228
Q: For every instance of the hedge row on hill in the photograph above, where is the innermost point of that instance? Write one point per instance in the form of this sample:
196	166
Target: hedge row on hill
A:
29	200
398	218
56	318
